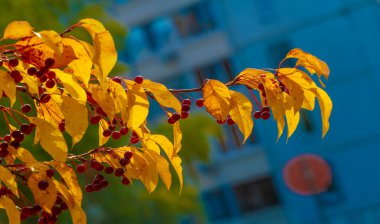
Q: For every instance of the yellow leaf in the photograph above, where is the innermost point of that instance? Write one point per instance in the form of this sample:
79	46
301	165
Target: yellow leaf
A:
50	111
162	167
8	179
250	77
150	144
152	178
8	85
309	62
83	64
92	26
76	118
45	198
10	208
177	133
103	125
309	100
117	92
175	160
70	178
25	156
138	106
105	101
77	214
292	116
52	39
163	96
17	30
325	105
241	113
105	54
217	99
71	86
51	139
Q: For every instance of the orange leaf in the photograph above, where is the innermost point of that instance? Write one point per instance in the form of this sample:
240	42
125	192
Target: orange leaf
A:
68	175
8	179
51	139
138	106
45	198
17	30
8	85
78	216
76	118
241	113
10	208
163	96
217	99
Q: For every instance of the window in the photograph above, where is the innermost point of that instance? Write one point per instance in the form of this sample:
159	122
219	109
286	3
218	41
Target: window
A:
255	195
194	20
216	205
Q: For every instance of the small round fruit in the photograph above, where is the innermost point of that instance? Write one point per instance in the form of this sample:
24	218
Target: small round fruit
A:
49	62
175	116
125	181
265	115
50	83
107	133
89	188
95	119
186	102
139	79
128	155
43	185
124	161
199	102
230	121
185	107
116	135
50	173
108	170
124	131
26	108
265	109
81	168
184	114
257	115
13	62
119	172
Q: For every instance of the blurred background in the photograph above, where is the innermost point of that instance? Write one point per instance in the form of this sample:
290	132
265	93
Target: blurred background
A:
180	43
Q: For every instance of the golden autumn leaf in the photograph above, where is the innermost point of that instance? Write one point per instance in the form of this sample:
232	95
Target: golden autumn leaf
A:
217	99
177	135
311	63
138	105
101	95
76	118
52	39
162	166
8	85
44	197
325	105
163	96
91	25
151	178
168	148
10	208
8	179
17	30
78	216
82	65
71	86
34	51
250	77
241	113
70	178
50	138
105	55
103	125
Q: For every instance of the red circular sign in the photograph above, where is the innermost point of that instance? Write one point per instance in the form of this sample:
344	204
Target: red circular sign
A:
307	174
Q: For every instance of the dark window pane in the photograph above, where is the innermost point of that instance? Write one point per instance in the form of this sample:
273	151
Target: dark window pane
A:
216	205
256	194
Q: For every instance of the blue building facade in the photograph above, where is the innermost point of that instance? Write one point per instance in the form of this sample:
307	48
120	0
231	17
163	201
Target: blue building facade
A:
181	42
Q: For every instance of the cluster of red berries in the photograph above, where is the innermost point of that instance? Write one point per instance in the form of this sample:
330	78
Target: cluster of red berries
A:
4	191
29	211
264	113
98	181
58	208
44	74
15	138
186	103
